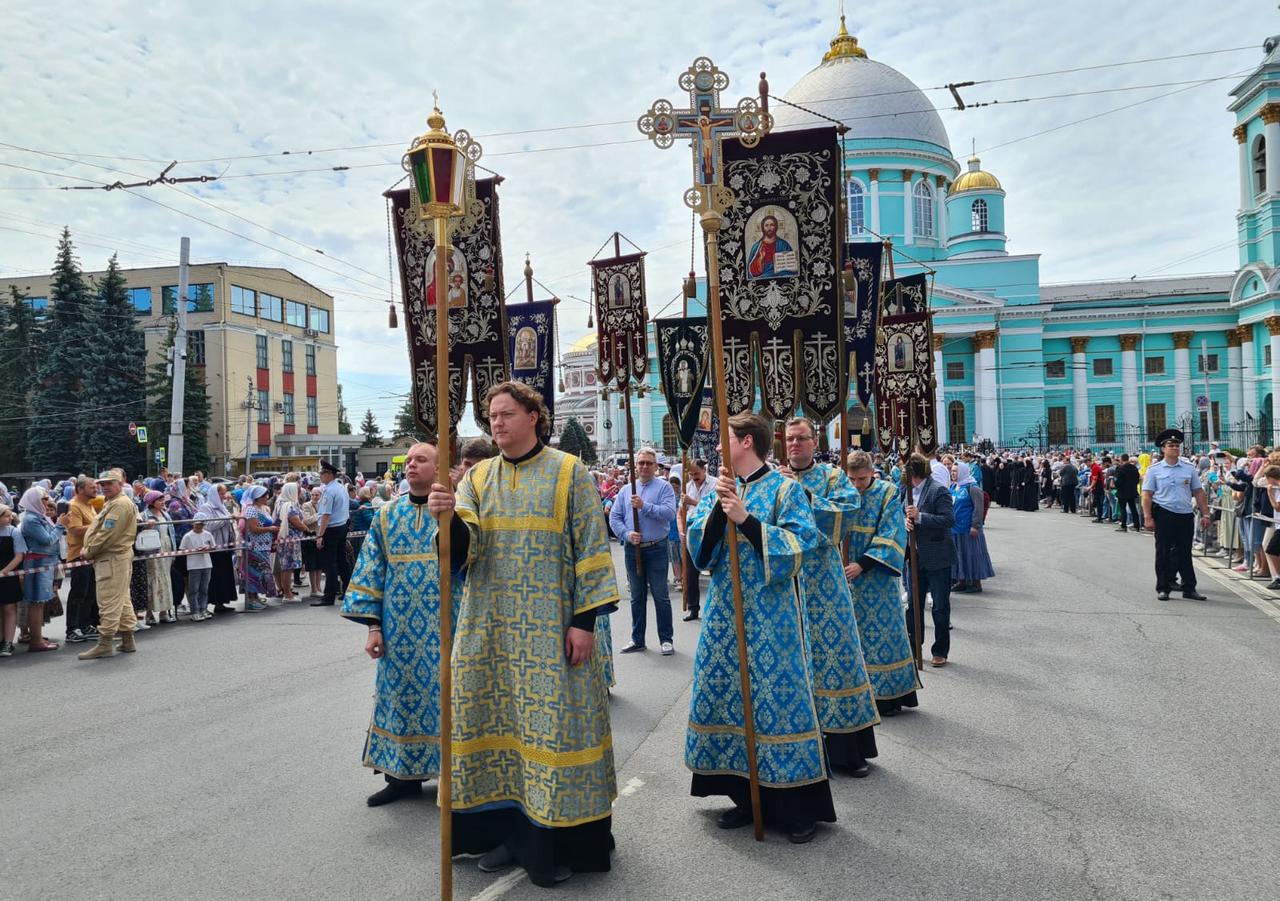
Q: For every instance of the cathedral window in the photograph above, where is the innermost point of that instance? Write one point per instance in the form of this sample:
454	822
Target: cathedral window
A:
922	209
1259	165
978	216
857	200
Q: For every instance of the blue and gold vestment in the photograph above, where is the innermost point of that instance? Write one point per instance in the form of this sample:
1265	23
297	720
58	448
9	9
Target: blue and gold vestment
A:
878	530
529	729
841	687
396	583
789	749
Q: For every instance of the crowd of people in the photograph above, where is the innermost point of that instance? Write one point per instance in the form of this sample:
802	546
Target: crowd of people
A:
197	546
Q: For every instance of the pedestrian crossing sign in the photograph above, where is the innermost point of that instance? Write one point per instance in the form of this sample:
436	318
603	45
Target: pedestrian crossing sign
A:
142	434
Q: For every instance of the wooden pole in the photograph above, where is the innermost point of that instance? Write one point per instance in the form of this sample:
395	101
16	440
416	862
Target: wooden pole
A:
631	459
711	222
917	602
681	509
445	791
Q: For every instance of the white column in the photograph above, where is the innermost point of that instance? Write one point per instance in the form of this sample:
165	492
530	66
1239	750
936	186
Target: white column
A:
988	415
907	211
1129	389
940	210
1235	379
1182	374
1271	120
874	175
1250	400
1273	325
939	400
1246	177
979	395
644	421
1079	388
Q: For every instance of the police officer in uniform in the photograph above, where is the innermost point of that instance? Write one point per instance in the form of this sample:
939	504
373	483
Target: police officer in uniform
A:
1170	493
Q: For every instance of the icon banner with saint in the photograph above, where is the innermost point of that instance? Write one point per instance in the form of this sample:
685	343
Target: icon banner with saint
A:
532	331
904	383
622	347
682	366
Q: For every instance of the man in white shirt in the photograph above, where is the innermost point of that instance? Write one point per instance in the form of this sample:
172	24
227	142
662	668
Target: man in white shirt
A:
696	487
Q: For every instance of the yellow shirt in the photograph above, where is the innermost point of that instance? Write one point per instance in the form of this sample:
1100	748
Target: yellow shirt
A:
79	516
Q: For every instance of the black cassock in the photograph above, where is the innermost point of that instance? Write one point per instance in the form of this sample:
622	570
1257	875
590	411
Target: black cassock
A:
1031	487
1003	483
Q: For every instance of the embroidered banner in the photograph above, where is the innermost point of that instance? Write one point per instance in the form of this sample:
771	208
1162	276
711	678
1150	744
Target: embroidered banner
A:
618	288
909	294
862	263
779	287
905	384
532	331
683	364
477	327
706	437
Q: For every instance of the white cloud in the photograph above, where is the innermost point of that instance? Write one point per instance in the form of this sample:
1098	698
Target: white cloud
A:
1123	194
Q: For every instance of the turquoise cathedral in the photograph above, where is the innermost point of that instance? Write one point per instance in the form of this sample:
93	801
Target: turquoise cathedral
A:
1098	364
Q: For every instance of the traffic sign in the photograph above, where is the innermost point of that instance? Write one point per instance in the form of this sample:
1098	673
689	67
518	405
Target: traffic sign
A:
141	432
1202	402
160	454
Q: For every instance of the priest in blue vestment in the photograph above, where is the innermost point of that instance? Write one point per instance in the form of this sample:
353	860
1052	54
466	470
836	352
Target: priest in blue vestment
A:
395	591
846	703
776	529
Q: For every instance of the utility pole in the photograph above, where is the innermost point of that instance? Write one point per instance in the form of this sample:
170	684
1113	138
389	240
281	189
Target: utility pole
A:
249	406
179	360
1208	410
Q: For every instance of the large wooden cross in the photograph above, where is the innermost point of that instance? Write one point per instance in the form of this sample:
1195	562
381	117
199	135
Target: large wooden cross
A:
705	124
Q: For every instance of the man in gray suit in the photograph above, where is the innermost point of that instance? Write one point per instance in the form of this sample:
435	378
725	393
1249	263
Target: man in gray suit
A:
930	516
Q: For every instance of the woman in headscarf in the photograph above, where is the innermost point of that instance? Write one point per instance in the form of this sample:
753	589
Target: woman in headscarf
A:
972	562
159	582
222	577
288	517
41	536
182	509
12	550
5	497
259	533
310	556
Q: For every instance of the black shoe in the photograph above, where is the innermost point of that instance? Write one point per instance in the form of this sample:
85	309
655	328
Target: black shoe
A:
631	648
1274	584
734	818
690	616
1122	529
1194	595
861	771
496	860
1162	595
322	603
394	791
799	835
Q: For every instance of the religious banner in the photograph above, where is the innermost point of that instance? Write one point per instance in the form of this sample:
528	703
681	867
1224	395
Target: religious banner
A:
477	325
706	436
781	297
909	294
618	287
531	328
862	263
683	364
905	384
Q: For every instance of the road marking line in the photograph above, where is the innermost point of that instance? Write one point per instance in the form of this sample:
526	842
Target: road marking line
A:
1264	604
501	886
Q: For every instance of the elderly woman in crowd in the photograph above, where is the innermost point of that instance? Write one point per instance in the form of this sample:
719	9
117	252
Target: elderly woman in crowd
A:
288	518
310	557
182	509
155	516
12	549
259	533
972	562
222	575
41	536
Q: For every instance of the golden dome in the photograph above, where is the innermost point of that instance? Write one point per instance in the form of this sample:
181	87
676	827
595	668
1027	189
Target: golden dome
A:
586	342
844	46
975	179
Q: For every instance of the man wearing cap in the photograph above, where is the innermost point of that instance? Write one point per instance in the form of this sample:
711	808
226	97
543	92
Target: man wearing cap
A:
331	534
1171	490
108	542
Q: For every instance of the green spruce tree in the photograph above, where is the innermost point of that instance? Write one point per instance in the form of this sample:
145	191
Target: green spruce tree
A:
195	410
63	399
344	424
574	440
369	428
121	375
20	349
406	425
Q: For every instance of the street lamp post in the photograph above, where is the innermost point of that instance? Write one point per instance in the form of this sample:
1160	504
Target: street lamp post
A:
441	169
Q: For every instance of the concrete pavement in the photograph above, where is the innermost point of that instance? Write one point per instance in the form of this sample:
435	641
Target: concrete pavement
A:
1087	741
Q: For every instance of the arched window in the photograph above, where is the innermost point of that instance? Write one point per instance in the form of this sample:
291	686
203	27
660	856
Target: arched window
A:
1259	158
978	216
857	201
955	423
670	440
922	198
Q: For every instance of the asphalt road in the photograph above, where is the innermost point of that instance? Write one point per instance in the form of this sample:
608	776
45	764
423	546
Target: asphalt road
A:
1086	742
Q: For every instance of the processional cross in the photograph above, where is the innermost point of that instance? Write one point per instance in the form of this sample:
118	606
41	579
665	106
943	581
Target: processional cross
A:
705	124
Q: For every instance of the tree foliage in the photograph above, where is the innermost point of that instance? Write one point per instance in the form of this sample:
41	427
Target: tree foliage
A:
406	425
574	440
19	348
369	428
344	424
